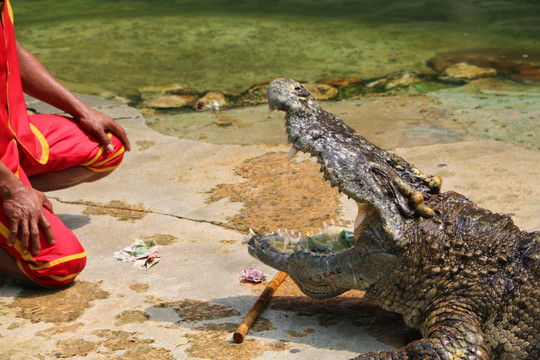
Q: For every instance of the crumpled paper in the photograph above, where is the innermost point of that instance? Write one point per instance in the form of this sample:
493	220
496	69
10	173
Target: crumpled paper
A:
143	253
253	275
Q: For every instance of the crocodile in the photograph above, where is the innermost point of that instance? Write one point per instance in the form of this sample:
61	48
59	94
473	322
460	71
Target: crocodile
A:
467	278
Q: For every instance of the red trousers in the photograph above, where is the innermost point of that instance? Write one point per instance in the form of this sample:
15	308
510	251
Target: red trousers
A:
69	146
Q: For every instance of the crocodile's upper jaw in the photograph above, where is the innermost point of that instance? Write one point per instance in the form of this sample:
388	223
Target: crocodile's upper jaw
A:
360	169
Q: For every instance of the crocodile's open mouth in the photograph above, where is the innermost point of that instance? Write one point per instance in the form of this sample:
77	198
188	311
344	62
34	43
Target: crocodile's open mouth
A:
329	240
280	248
322	263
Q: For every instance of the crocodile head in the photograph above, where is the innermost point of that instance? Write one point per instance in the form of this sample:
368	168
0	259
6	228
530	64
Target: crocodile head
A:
388	190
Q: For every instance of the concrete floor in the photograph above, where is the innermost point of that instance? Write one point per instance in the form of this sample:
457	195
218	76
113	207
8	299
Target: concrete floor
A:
198	198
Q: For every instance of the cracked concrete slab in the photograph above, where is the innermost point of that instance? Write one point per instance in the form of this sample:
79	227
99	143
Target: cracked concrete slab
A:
188	305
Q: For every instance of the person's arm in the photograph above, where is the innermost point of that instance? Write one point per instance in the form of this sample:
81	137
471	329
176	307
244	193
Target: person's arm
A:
24	208
39	83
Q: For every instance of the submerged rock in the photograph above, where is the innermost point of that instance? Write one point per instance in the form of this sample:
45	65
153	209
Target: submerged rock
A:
461	72
169	102
170	96
121	99
322	91
397	79
152	92
254	95
517	65
212	100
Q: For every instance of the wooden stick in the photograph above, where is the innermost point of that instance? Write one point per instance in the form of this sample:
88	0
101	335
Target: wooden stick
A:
259	305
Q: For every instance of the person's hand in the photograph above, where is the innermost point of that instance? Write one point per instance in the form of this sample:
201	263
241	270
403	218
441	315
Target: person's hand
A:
24	208
98	123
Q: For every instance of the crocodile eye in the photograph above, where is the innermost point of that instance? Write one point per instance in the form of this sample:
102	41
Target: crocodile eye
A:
301	90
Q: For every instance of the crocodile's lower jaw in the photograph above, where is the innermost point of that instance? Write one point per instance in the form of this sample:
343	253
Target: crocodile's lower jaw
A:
326	241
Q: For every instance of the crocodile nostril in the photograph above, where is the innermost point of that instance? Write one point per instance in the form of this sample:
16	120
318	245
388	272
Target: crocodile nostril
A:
301	90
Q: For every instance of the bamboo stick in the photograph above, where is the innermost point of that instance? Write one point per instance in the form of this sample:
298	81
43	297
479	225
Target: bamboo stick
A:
259	305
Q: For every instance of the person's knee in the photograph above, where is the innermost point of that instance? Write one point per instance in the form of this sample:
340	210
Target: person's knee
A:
57	265
58	276
109	161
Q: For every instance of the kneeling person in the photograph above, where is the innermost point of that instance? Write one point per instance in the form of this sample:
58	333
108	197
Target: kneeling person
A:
42	153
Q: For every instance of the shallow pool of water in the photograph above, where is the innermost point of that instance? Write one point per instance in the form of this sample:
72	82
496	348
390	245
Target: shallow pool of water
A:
123	45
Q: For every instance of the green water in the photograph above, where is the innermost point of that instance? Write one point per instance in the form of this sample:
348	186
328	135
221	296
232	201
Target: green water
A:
123	45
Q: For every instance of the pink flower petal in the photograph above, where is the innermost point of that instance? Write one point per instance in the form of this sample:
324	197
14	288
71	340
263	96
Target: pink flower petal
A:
252	275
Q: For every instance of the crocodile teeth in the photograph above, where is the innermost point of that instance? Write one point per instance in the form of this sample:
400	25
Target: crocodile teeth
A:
359	220
251	232
292	152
